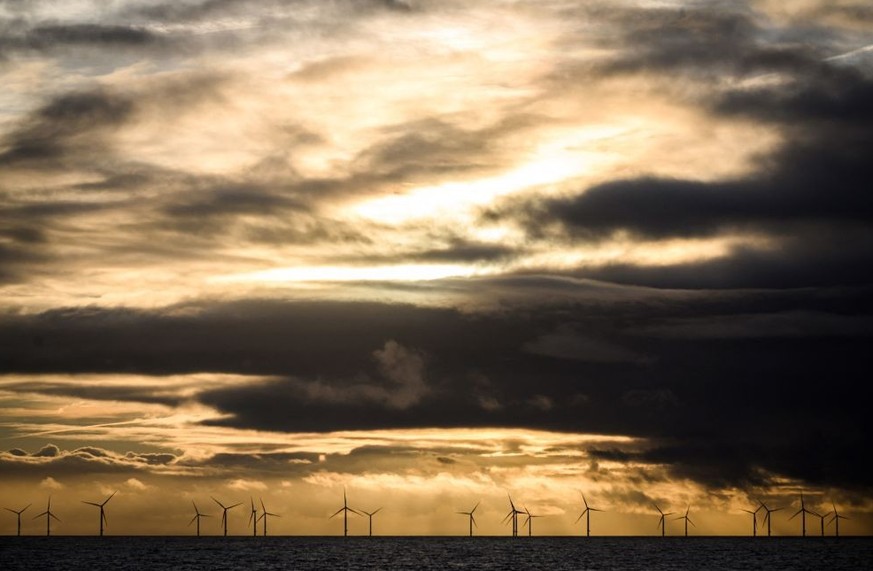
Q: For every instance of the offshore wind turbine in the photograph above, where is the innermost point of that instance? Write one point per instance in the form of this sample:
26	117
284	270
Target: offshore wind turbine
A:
18	514
197	516
48	517
587	513
836	517
370	517
529	521
687	520
264	515
224	513
767	517
345	511
253	518
102	511
754	520
802	513
512	516
472	519
821	520
662	521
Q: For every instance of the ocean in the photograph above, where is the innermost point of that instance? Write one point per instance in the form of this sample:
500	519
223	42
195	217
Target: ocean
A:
35	553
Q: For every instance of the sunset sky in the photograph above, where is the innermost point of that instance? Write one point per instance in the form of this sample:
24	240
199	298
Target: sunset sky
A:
435	252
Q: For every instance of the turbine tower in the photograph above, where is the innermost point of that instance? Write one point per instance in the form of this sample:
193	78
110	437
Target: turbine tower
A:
754	520
102	511
802	513
687	520
821	520
836	517
224	513
18	514
197	516
370	517
767	517
587	513
345	511
265	514
662	521
472	519
529	521
48	517
253	518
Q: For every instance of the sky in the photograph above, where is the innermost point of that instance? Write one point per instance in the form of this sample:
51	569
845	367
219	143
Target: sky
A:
435	253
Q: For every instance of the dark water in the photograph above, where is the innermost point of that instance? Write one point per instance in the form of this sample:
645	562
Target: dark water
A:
422	553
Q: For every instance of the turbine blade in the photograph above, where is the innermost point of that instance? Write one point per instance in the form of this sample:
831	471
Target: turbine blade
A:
106	501
91	503
40	515
192	521
234	505
339	511
795	515
691	522
377	511
476	506
262	505
219	503
54	516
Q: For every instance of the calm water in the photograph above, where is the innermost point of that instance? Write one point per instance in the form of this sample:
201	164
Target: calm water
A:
421	553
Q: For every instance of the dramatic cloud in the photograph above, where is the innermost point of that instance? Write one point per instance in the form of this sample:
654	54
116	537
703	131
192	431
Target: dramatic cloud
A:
438	248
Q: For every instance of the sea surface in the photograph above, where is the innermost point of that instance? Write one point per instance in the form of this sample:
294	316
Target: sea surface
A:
423	553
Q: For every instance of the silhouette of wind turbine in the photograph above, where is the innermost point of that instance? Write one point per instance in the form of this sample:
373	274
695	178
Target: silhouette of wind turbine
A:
265	514
767	517
253	518
662	521
512	516
802	513
836	517
687	520
197	516
821	520
529	521
345	511
587	513
18	514
754	520
370	517
48	517
103	519
224	513
472	519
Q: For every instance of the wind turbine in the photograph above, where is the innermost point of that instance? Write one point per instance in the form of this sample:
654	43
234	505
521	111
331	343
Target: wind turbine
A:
265	514
102	511
370	516
529	521
197	516
687	520
662	521
513	516
345	511
224	513
802	513
767	516
472	519
48	517
586	512
754	519
18	513
821	520
836	517
253	518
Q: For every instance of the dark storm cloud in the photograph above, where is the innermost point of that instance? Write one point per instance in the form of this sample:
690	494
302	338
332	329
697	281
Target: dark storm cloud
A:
452	369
